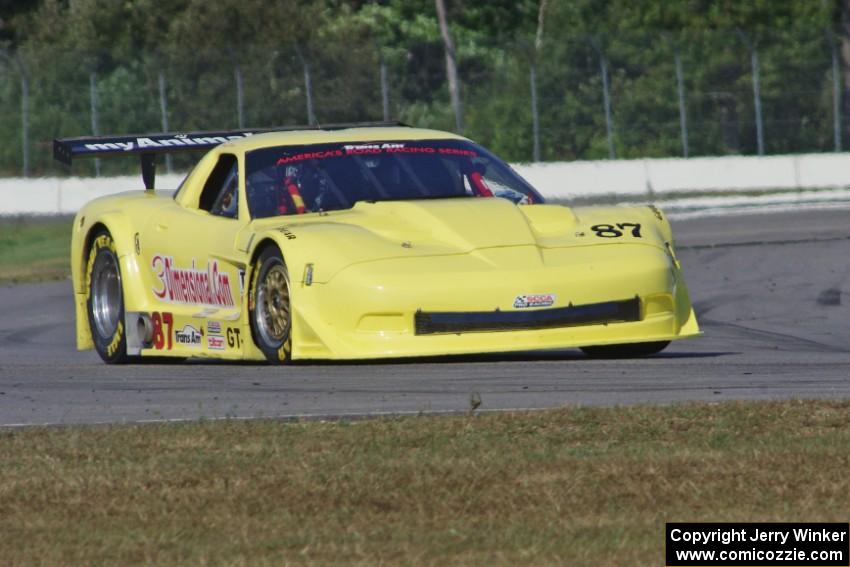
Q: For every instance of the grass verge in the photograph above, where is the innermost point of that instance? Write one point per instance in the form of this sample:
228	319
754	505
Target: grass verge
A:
574	486
34	249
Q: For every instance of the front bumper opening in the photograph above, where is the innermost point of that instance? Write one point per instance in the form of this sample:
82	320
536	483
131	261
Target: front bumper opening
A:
446	322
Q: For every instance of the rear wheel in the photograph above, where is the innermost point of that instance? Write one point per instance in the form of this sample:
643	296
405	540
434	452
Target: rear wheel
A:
270	313
625	351
105	300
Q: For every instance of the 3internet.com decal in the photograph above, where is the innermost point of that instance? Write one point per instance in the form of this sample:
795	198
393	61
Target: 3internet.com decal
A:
210	286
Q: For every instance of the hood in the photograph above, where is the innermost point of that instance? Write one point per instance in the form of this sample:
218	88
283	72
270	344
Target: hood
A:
463	224
396	229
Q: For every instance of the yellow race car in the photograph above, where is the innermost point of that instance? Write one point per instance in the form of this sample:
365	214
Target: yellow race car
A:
361	242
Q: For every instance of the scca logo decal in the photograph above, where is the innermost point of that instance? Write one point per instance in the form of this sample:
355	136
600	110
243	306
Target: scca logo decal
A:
534	300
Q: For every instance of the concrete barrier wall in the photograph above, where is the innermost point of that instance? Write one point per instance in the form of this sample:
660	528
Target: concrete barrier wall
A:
559	179
52	195
677	175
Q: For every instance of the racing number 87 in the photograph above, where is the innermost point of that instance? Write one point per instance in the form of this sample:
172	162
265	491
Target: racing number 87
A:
159	336
616	230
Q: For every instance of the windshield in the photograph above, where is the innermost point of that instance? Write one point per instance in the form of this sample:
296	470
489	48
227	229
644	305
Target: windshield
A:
289	180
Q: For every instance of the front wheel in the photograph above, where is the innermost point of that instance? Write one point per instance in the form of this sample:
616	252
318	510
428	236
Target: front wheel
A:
631	350
269	305
105	300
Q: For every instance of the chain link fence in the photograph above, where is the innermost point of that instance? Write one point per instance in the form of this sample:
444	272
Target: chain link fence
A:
588	97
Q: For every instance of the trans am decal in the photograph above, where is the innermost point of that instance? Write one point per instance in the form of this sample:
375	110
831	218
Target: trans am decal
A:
534	300
188	335
192	286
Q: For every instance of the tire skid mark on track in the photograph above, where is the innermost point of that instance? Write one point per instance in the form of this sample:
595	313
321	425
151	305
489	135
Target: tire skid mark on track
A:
762	243
24	335
783	338
705	306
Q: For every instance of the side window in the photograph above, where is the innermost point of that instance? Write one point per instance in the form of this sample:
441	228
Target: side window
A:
485	178
221	191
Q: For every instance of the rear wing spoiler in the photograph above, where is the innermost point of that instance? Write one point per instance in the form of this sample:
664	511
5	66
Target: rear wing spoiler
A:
147	146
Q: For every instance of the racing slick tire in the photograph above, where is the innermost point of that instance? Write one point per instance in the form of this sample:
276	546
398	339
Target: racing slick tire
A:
269	307
630	350
105	300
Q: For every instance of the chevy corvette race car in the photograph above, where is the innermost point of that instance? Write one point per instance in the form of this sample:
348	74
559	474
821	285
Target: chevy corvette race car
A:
361	242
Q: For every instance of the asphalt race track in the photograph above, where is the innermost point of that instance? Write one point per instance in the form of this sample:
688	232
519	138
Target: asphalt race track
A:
772	293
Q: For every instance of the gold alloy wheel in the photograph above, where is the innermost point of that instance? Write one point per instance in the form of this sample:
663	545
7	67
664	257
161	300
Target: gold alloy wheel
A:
274	317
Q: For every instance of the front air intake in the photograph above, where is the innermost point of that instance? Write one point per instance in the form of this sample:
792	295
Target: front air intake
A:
446	322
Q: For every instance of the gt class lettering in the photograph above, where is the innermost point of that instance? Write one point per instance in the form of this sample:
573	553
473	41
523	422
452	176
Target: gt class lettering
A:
233	338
